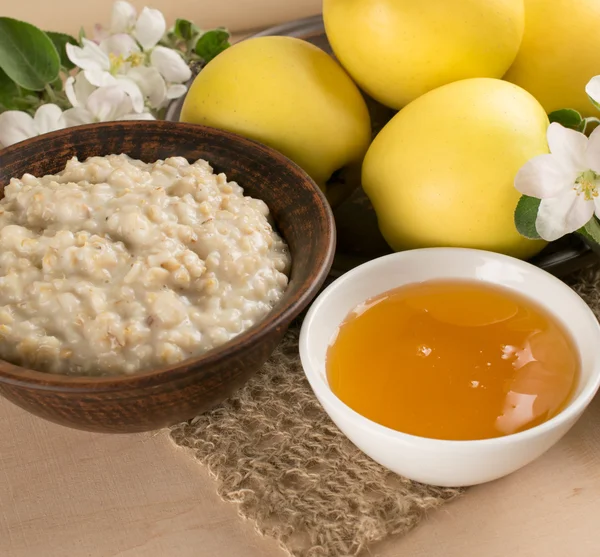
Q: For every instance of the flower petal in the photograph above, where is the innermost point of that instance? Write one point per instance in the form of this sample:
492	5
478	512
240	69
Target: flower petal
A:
16	126
99	33
108	103
90	57
77	116
568	146
175	91
170	64
123	17
141	116
593	88
48	118
70	91
150	28
99	78
597	206
78	89
562	215
120	44
592	152
151	84
132	89
543	177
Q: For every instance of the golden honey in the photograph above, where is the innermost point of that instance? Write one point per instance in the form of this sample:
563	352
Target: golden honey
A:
453	360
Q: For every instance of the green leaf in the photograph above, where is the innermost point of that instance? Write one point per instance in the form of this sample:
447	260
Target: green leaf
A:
57	85
212	43
28	103
582	232
9	91
60	40
591	230
27	54
568	118
525	215
184	29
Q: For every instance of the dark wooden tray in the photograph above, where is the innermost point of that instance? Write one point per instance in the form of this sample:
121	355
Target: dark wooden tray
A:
359	239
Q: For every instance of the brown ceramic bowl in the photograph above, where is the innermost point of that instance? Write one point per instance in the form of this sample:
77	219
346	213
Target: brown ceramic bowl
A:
165	396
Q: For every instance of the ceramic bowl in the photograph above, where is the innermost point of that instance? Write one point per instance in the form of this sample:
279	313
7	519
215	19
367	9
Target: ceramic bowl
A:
171	394
433	461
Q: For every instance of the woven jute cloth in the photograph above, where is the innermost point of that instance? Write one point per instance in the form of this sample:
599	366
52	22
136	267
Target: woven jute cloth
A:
274	452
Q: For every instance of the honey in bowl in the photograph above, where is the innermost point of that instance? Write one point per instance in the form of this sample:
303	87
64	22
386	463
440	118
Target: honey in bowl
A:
453	360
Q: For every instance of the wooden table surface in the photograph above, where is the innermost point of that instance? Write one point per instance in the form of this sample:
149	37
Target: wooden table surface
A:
65	493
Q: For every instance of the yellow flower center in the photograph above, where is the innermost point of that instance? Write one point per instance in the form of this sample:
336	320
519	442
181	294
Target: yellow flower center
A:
587	185
135	59
116	62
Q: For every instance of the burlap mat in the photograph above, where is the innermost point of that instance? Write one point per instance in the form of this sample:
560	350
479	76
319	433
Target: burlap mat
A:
273	451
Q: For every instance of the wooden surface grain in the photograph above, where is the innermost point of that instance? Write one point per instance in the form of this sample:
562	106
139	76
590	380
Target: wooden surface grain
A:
65	493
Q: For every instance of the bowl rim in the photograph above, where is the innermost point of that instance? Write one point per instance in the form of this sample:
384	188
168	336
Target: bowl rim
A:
322	390
276	319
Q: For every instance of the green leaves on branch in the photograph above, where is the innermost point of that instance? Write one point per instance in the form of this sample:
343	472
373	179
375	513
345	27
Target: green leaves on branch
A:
591	230
31	62
186	30
9	91
568	118
526	212
27	55
572	119
60	41
212	43
198	45
525	216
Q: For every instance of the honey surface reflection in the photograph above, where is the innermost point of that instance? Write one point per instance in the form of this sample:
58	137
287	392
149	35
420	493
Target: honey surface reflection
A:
453	360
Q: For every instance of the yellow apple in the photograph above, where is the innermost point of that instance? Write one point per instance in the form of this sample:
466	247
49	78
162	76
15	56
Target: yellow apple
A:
559	53
441	172
397	50
288	94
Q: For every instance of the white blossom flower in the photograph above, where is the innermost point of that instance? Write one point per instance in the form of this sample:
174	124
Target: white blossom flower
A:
103	104
122	74
101	69
119	48
148	29
170	64
123	17
100	33
16	125
567	181
176	90
78	89
118	57
151	84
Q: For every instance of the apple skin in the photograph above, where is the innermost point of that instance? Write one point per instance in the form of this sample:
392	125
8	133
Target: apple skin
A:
289	94
441	172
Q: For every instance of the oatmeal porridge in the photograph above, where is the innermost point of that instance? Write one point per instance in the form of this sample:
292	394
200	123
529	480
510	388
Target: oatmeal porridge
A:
115	266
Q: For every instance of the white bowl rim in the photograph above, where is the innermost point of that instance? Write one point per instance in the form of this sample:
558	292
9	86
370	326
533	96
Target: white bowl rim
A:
322	389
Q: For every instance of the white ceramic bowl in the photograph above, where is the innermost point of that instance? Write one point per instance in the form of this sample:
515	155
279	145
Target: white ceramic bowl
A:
433	461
